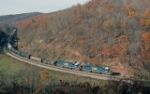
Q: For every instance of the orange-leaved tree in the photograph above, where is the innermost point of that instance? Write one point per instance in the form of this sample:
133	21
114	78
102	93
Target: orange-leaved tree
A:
132	14
81	42
106	51
145	55
147	13
44	75
108	25
146	39
110	7
119	50
145	22
123	49
146	49
127	9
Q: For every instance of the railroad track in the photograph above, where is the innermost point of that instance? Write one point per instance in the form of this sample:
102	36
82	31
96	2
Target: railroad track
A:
59	69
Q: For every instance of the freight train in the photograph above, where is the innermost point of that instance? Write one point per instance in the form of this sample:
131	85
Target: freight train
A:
64	64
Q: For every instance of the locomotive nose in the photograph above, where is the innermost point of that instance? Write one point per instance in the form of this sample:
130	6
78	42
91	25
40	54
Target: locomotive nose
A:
55	63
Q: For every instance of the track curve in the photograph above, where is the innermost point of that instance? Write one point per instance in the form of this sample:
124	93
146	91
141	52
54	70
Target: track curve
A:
59	69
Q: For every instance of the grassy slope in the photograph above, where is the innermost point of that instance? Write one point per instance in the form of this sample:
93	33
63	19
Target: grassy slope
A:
17	77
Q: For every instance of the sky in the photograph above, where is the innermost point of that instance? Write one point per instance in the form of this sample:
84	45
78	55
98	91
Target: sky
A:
8	7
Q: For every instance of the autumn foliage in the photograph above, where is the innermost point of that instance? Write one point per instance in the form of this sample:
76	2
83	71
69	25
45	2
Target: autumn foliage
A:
98	28
81	42
106	51
110	7
34	23
44	75
145	22
145	55
146	37
127	9
146	50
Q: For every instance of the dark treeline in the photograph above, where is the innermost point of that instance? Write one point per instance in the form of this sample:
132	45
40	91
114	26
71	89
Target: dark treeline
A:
32	80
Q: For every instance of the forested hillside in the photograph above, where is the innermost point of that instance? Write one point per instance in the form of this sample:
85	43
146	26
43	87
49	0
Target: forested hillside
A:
18	17
111	33
7	22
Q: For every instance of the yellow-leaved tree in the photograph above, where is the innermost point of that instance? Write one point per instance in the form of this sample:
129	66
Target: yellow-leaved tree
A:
146	50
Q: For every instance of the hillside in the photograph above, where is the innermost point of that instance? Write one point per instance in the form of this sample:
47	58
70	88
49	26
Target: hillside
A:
101	32
7	22
18	17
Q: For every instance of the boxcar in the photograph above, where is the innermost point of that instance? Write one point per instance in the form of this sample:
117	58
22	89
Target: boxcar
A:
25	55
66	64
48	61
35	58
15	51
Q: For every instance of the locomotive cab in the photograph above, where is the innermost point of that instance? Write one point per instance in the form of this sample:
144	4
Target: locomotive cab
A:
107	69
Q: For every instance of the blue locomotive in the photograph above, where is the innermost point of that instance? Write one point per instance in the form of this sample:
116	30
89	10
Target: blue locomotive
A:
90	68
96	69
64	64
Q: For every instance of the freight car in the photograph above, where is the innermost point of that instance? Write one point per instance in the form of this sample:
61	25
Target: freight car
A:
15	51
25	55
48	62
35	58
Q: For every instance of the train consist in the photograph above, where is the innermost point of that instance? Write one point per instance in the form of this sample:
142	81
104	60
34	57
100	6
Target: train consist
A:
90	68
64	64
